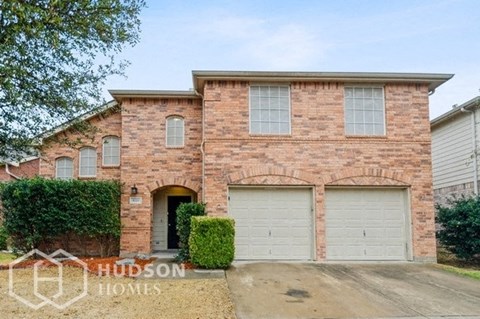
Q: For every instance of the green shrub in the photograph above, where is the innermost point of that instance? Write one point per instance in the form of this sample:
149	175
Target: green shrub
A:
38	211
185	212
212	242
3	238
460	226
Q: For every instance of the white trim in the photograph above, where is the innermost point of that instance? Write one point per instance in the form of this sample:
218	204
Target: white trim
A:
288	86
366	86
56	167
119	151
172	117
80	161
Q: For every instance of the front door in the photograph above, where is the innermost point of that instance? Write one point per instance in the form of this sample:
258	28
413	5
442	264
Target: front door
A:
173	203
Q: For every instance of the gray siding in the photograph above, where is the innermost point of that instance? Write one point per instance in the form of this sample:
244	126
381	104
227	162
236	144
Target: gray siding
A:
452	152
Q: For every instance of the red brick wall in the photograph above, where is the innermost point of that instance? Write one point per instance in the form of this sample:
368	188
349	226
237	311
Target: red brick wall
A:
317	152
25	169
109	124
150	165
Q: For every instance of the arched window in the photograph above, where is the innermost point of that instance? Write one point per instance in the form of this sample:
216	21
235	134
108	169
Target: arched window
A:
64	168
88	162
175	131
111	151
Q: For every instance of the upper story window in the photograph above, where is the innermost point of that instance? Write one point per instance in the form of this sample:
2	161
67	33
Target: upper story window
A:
88	162
64	168
364	111
175	131
269	109
111	151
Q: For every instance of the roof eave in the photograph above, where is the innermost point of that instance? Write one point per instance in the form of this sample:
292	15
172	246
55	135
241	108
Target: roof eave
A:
475	102
433	79
84	117
119	95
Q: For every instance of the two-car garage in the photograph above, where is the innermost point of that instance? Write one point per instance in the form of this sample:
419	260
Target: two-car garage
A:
359	223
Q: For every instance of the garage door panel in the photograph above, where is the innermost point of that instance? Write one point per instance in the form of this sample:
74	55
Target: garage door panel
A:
278	223
373	224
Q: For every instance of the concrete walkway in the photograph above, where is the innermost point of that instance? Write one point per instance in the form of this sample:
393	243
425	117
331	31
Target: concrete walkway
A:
312	290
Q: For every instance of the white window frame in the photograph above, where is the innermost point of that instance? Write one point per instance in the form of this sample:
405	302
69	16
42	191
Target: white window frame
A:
374	134
250	120
167	133
80	156
104	140
62	159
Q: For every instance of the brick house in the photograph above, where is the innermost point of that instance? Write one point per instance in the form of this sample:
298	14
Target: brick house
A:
312	166
455	145
25	168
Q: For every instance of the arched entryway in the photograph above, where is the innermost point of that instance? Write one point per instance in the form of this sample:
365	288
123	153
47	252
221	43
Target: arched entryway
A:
165	202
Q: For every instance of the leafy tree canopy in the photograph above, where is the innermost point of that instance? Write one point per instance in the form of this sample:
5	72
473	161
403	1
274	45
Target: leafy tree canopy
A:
54	58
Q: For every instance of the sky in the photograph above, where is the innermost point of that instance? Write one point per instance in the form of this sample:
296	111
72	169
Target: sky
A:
426	36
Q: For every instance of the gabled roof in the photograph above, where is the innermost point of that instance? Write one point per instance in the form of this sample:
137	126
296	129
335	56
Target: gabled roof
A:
83	117
433	80
475	102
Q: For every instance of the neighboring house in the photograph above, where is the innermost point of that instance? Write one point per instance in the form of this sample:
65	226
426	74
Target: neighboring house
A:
12	170
312	166
455	141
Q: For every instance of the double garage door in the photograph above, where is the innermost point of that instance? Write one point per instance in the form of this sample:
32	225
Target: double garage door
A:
278	223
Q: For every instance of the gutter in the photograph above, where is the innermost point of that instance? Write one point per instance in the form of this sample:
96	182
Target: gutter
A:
7	170
202	145
474	149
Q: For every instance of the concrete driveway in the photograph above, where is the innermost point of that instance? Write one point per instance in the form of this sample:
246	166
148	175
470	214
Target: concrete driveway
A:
312	290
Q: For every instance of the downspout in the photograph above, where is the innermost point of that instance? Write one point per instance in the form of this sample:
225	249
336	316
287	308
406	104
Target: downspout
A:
474	147
202	145
7	170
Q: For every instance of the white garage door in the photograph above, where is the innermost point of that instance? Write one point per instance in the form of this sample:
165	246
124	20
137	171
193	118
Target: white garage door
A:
366	224
272	223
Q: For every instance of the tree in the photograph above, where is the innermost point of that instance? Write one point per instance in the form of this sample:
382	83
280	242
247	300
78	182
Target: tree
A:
54	58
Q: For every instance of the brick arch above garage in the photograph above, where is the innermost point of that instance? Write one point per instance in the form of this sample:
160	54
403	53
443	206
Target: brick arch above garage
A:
270	175
368	177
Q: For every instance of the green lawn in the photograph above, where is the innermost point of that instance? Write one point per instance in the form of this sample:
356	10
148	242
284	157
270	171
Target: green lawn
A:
5	258
448	262
472	273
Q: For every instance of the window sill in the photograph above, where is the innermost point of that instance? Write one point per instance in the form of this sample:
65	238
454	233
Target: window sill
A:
87	177
110	166
383	137
271	135
174	147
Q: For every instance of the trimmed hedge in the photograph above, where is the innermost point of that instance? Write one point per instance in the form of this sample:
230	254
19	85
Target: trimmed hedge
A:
38	211
212	242
460	226
185	211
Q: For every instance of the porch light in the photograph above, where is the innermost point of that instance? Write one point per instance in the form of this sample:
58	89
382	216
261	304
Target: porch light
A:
134	190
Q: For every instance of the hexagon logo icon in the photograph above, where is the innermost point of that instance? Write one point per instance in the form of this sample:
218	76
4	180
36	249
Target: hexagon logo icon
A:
40	281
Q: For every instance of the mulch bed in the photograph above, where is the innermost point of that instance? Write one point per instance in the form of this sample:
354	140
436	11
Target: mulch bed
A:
99	266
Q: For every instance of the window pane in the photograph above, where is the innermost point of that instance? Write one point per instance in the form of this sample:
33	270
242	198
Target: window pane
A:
378	93
349	104
349	116
64	168
349	129
175	131
88	162
269	107
379	129
111	150
364	111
